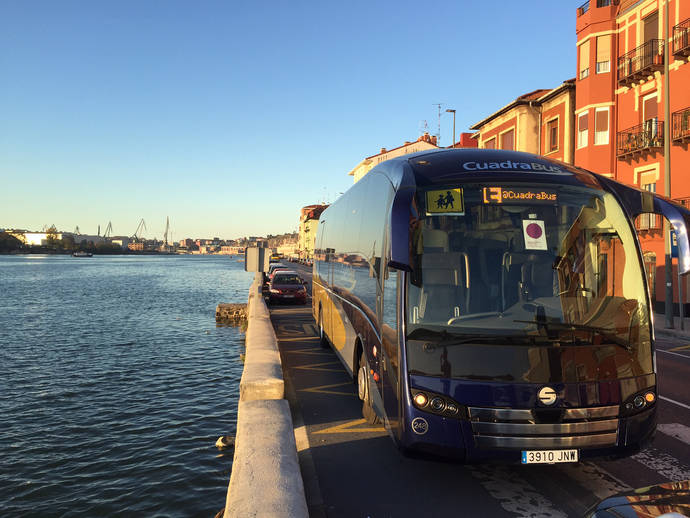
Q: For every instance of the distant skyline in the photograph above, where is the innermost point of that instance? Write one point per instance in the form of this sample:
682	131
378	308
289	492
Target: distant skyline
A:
229	117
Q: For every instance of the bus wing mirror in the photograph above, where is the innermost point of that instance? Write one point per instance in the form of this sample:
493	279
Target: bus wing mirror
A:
636	202
679	217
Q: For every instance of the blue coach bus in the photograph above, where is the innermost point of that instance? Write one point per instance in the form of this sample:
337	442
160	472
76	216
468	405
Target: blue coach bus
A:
493	305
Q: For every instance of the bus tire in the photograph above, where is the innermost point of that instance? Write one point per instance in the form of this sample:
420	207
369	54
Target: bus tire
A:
323	339
364	393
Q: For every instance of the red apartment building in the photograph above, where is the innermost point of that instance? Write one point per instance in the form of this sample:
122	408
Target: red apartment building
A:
539	122
619	107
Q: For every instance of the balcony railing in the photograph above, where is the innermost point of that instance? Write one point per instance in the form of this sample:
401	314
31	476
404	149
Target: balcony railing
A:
641	62
600	3
645	138
681	39
649	222
680	126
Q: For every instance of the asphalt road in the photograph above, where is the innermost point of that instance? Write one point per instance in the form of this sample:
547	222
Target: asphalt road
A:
351	469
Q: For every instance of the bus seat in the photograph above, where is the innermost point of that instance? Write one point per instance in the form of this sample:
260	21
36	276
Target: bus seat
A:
445	289
537	276
435	240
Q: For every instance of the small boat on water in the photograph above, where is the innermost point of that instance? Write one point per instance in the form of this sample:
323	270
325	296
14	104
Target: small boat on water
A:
81	253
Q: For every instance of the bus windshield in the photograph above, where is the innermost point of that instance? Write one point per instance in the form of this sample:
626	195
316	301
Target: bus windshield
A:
523	265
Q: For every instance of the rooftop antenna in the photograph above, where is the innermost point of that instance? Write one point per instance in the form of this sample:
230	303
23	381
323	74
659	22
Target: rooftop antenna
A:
423	127
438	134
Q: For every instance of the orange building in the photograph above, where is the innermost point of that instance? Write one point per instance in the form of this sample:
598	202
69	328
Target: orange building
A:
620	99
539	122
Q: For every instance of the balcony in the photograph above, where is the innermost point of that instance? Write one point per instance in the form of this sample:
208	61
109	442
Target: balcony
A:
641	62
648	137
648	222
585	7
680	126
681	39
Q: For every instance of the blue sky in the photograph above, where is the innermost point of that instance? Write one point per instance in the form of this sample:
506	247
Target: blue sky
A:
229	116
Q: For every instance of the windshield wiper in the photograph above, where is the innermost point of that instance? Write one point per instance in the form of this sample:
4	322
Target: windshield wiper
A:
444	338
603	332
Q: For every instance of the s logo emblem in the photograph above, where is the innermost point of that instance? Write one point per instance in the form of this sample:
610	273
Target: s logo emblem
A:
420	426
546	396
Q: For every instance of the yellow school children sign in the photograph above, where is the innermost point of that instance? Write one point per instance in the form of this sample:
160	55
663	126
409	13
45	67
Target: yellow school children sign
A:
445	201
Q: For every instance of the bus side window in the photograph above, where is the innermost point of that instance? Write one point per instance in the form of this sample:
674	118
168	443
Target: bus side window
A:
390	285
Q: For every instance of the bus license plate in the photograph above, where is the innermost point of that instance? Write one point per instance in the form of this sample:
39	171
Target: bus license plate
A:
549	456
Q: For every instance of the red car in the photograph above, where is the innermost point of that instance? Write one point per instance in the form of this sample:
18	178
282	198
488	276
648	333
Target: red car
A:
287	286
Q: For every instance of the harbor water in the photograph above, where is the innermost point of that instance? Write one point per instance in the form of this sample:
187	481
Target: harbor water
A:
115	383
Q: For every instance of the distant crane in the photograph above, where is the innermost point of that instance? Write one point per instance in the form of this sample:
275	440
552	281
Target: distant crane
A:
76	230
167	227
142	224
108	230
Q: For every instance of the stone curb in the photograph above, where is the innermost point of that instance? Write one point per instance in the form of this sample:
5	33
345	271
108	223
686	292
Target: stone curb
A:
266	478
262	377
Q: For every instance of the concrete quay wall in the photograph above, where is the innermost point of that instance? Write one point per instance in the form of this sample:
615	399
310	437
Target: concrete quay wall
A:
265	478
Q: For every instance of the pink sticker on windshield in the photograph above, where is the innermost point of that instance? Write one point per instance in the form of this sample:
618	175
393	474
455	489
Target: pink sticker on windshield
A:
534	233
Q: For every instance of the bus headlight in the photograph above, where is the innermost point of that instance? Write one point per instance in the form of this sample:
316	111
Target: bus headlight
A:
638	402
436	404
420	399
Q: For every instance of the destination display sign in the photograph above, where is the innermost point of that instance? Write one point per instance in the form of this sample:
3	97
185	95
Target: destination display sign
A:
499	195
445	201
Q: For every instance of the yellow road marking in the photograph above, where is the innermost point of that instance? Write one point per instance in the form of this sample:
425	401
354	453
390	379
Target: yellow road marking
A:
318	367
323	389
298	339
310	329
314	352
289	329
681	348
350	427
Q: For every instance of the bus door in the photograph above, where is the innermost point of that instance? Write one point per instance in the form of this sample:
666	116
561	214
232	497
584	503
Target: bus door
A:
390	354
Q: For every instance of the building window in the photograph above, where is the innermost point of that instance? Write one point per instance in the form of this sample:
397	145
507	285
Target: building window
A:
603	54
650	107
647	221
508	140
601	126
490	144
552	135
582	130
584	59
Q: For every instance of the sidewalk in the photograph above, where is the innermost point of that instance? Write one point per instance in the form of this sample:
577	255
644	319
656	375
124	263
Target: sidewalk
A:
660	327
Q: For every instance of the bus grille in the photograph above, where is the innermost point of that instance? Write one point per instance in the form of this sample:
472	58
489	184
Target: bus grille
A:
544	428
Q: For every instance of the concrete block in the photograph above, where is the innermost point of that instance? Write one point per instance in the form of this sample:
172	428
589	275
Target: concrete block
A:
262	377
266	480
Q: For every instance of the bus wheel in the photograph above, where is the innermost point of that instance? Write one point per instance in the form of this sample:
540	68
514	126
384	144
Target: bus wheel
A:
323	340
364	393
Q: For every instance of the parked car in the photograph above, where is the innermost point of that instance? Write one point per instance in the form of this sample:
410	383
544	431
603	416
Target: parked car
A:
287	286
271	267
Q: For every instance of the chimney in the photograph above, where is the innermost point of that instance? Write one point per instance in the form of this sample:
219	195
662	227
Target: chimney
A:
383	150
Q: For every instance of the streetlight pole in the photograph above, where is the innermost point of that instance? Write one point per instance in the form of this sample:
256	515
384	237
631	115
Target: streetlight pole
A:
453	112
668	295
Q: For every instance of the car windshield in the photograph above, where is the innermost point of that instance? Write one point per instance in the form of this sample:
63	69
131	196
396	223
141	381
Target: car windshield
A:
555	264
287	279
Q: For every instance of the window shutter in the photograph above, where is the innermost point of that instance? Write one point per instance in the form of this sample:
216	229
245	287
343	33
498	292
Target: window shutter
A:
583	122
584	56
601	120
603	48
